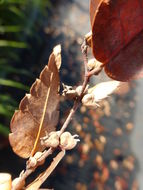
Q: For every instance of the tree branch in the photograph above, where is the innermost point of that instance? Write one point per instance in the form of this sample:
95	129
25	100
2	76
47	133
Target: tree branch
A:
29	169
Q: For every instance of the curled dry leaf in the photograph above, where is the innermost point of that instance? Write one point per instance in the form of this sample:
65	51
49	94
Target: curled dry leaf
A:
117	37
99	92
38	111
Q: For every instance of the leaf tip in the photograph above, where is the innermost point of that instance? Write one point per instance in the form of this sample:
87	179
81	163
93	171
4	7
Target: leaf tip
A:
57	49
57	54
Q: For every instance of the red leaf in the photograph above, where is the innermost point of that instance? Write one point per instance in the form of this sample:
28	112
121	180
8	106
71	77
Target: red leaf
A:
117	37
93	7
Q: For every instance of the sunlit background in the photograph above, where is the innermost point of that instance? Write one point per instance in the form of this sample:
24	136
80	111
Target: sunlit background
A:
109	156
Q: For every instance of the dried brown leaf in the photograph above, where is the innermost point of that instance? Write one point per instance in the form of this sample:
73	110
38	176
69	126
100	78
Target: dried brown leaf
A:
38	111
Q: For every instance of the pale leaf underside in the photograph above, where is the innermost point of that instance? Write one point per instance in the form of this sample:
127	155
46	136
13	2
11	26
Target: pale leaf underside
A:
100	92
104	89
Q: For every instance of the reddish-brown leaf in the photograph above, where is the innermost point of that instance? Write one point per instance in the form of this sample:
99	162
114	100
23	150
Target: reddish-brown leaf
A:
117	37
93	7
38	111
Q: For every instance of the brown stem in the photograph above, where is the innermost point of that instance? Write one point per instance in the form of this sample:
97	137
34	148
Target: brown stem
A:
43	176
96	71
84	48
28	171
85	82
75	106
46	153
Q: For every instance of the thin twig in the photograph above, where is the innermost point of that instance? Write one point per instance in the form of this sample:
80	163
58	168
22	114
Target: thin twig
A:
96	70
30	170
46	153
84	48
43	176
85	82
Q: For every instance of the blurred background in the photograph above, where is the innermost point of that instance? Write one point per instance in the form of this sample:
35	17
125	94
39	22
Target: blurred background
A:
109	156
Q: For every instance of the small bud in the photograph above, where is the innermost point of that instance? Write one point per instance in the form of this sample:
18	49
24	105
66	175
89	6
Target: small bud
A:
38	155
31	162
53	140
38	162
88	100
93	63
67	141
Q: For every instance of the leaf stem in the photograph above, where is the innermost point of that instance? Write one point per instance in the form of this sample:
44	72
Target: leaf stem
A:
77	102
85	82
42	120
28	171
43	176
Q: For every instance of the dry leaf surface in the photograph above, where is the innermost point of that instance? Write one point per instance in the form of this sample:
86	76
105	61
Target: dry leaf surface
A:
38	111
117	37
